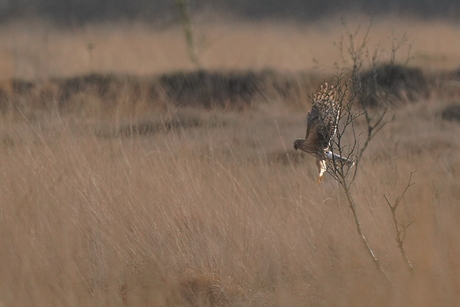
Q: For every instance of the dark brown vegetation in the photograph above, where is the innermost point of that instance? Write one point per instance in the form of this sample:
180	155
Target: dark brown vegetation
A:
202	89
387	84
451	112
393	84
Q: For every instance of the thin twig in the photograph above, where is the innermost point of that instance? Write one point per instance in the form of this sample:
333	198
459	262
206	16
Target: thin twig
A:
371	253
400	228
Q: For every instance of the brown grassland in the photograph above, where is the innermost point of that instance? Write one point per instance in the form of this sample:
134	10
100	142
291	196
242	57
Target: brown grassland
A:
144	202
33	49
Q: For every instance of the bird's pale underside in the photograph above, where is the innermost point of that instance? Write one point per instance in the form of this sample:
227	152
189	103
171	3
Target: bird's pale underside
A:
322	124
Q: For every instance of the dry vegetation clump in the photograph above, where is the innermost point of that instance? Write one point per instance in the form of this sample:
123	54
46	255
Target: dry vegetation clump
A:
209	90
176	122
451	112
111	95
393	84
108	94
233	90
15	88
103	85
446	84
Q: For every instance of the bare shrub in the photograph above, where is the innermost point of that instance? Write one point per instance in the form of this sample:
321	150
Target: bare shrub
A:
377	87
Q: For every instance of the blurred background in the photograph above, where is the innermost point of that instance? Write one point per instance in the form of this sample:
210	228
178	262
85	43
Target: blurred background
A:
72	12
45	38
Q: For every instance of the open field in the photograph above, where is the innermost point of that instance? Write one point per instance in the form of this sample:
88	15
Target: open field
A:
224	212
118	193
35	50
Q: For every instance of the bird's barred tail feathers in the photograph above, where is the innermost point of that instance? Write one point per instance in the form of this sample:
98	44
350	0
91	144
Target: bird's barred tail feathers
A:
337	158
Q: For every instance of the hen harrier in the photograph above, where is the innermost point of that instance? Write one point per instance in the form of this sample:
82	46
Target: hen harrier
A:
321	127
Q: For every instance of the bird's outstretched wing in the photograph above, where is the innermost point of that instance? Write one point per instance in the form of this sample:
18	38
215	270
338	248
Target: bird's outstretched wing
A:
323	118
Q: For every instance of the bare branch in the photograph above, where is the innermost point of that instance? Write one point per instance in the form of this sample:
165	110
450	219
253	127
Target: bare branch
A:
353	208
400	228
350	88
338	169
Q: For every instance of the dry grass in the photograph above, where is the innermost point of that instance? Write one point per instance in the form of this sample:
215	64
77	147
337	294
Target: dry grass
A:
190	207
33	49
211	216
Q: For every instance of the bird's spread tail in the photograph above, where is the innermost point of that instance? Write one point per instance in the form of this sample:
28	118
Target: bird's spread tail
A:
340	159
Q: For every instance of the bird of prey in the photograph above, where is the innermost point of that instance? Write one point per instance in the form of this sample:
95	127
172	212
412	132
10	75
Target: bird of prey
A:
321	126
